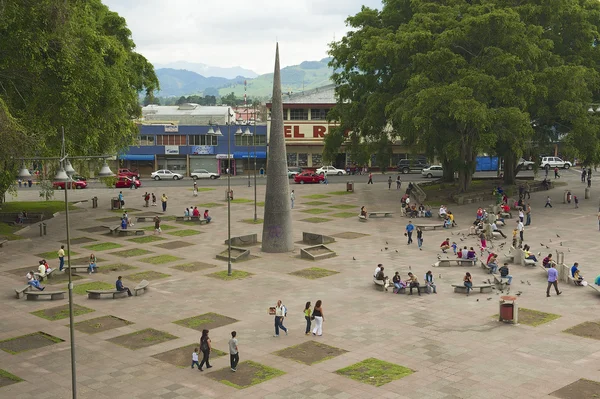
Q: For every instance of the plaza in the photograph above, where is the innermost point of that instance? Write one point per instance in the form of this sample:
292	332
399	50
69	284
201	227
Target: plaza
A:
449	345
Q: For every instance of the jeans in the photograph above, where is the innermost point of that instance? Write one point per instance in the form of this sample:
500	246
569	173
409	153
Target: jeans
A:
308	323
292	204
318	330
548	205
414	285
279	324
196	363
410	240
35	283
509	277
532	257
432	286
521	235
126	289
205	355
91	267
528	220
234	360
501	233
493	267
469	285
164	205
420	242
62	263
550	284
208	219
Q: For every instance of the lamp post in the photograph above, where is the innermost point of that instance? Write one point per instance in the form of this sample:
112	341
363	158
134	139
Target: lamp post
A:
254	145
247	133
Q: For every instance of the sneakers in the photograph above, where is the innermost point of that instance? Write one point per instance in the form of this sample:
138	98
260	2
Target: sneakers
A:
234	370
200	370
286	332
276	335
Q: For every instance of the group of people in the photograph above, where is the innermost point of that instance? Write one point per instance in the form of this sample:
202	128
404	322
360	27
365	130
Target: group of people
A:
206	348
195	212
146	198
316	315
587	174
411	282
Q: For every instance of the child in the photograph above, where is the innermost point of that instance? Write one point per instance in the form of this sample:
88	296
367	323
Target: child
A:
576	201
454	246
514	242
548	202
153	199
157	229
206	217
195	189
195	358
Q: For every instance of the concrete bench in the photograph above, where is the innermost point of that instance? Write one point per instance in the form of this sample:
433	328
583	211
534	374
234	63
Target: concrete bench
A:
144	218
75	268
380	213
425	227
591	285
527	262
21	291
34	295
506	215
500	282
485	267
2	242
456	262
384	284
461	289
141	288
191	219
97	294
47	275
422	289
128	232
362	218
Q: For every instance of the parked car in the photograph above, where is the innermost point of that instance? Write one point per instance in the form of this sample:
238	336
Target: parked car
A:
60	185
293	172
407	165
126	182
309	177
528	165
555	162
330	171
166	174
433	171
203	174
129	173
78	177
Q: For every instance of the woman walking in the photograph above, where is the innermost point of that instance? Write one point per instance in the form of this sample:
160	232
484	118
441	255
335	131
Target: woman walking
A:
205	347
307	316
319	319
419	238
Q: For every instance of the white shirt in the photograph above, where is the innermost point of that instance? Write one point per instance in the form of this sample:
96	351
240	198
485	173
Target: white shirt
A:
442	211
293	196
377	270
494	227
520	226
195	356
521	214
42	270
279	310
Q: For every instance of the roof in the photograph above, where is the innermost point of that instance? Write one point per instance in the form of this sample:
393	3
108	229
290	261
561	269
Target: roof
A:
320	95
186	114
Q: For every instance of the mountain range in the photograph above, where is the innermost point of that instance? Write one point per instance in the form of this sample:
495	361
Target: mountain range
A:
181	82
208	70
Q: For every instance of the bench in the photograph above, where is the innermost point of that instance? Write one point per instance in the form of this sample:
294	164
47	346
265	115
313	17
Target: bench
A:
34	295
591	285
379	213
2	242
500	282
128	232
422	289
362	218
97	294
21	291
426	227
485	267
457	262
191	219
143	218
47	275
506	215
75	268
384	284
527	262
461	289
11	217
141	288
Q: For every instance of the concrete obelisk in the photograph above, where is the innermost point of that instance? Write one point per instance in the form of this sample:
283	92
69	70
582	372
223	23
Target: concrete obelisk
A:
277	226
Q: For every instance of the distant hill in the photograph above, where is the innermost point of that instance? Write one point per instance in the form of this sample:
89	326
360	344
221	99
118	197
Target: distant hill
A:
307	75
209	71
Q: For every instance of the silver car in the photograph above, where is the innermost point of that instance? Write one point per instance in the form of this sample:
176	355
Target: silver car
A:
433	171
166	174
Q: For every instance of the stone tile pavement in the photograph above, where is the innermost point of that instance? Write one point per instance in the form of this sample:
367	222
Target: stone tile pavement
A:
455	346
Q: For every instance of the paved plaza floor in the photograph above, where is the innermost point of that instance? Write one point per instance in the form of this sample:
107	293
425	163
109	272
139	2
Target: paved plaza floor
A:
453	344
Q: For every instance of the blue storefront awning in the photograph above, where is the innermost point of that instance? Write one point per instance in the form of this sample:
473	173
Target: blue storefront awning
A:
244	155
134	157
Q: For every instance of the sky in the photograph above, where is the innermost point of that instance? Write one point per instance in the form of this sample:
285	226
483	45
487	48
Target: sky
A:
242	33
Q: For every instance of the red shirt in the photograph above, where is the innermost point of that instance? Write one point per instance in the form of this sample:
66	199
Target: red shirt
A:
205	214
445	243
196	212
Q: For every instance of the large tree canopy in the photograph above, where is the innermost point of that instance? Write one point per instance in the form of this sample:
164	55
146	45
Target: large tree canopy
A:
454	78
69	63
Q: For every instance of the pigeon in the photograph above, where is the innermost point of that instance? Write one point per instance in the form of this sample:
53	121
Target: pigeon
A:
568	250
488	281
558	236
439	257
396	251
489	299
386	248
478	300
353	258
409	268
528	283
547	247
386	242
560	244
542	244
519	293
522	282
451	233
382	250
461	239
550	240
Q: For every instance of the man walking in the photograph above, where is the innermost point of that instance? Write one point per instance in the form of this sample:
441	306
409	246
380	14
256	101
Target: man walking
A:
370	178
164	199
527	214
280	312
552	280
234	354
548	202
61	257
520	227
292	198
409	230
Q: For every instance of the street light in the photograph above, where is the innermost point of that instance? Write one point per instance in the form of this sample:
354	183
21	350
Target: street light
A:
254	145
248	133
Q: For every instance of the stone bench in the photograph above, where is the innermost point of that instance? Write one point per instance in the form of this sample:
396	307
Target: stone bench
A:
2	242
191	219
422	289
47	275
591	285
461	289
75	268
506	215
379	213
456	262
384	284
485	267
426	227
141	288
97	294
143	218
34	295
249	239
527	262
500	282
128	232
21	291
362	218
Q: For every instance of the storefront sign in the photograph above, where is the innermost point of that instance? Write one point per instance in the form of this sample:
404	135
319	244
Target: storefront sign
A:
224	156
203	150
305	131
171	128
172	149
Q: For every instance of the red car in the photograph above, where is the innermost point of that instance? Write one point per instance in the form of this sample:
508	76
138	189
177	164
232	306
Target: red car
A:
309	177
126	182
129	173
60	185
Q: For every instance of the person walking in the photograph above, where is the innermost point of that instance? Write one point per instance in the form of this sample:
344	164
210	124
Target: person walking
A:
556	175
153	200
234	354
521	228
527	214
552	279
576	200
205	348
398	183
146	197
583	175
195	358
61	257
325	178
293	198
419	238
548	202
389	182
307	317
280	312
195	189
319	319
409	230
121	199
157	229
370	178
164	199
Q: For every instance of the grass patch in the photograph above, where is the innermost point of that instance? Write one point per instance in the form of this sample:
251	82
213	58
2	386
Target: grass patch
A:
160	259
588	329
28	342
81	289
375	372
48	208
209	205
142	339
54	255
315	220
344	214
249	373
310	352
8	232
61	312
316	211
7	378
207	321
261	203
313	273
251	221
241	201
341	192
235	275
162	227
185	233
103	246
316	196
117	267
202	189
316	203
343	206
149	275
535	318
146	239
128	253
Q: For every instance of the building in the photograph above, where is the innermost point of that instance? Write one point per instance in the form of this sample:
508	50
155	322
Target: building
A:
178	138
305	126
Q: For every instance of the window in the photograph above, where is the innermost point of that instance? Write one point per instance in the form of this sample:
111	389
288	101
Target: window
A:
170	139
292	160
202	139
298	114
302	160
247	140
145	140
317	160
318	114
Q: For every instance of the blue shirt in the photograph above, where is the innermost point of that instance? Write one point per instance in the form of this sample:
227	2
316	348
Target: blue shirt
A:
119	285
410	227
573	270
552	275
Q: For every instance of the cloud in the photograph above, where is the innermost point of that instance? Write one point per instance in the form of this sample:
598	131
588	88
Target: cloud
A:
236	32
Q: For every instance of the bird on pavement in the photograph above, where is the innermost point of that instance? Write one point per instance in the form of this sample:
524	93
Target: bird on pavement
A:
528	283
489	299
522	282
386	242
353	258
558	236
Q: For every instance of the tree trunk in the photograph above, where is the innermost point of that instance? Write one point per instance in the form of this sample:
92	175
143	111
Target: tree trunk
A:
510	168
467	165
448	171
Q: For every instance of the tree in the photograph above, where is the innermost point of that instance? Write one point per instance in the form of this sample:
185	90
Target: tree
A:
71	64
150	99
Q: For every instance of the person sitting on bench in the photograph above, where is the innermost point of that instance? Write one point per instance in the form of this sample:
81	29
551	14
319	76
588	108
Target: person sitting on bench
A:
377	270
429	281
33	282
120	288
471	254
427	211
442	212
504	273
92	264
529	255
398	283
447	222
363	212
575	273
445	245
597	280
206	217
462	254
495	228
413	282
382	277
41	270
451	217
421	211
547	262
468	282
492	264
196	212
186	214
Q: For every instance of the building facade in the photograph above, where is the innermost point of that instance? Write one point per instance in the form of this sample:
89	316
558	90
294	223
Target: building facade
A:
178	138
